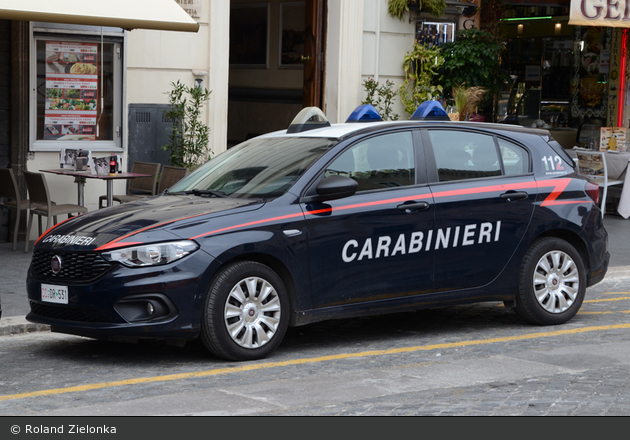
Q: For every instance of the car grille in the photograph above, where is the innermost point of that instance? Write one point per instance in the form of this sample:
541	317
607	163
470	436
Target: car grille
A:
67	313
76	266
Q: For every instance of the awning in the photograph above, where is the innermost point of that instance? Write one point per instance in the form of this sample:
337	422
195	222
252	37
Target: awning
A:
165	15
600	13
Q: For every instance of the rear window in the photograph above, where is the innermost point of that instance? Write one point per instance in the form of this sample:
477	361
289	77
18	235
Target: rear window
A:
561	152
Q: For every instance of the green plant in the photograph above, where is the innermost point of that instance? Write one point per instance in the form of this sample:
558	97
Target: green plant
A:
467	99
472	59
397	8
382	98
421	71
188	141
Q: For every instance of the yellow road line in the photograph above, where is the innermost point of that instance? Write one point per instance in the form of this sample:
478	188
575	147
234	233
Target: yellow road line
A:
252	367
593	313
607	299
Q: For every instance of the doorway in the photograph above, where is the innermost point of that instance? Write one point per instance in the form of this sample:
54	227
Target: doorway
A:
276	64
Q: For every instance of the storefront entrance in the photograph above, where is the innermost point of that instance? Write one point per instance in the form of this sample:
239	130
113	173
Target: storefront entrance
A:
276	64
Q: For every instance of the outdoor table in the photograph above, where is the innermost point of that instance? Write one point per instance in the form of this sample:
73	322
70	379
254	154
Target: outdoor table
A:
617	166
80	176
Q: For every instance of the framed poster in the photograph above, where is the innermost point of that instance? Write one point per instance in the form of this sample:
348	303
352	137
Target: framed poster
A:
249	35
292	34
70	108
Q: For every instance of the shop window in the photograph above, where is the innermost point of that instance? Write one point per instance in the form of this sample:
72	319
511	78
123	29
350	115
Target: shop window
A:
77	93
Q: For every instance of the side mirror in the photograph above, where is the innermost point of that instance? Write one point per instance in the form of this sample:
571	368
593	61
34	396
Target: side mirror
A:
332	188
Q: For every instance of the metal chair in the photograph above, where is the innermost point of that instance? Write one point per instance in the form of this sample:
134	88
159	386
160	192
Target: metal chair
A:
10	191
170	176
41	205
593	165
145	185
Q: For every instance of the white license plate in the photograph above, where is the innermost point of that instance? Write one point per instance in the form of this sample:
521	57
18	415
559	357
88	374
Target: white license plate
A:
55	294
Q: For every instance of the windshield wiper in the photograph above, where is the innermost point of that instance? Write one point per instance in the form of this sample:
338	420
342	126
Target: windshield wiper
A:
207	192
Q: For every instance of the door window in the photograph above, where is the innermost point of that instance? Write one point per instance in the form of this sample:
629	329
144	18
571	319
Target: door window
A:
379	162
464	155
515	158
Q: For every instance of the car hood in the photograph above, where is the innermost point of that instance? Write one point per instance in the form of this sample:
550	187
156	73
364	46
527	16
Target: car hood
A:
130	223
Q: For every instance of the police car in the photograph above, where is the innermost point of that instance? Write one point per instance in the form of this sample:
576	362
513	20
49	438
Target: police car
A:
324	221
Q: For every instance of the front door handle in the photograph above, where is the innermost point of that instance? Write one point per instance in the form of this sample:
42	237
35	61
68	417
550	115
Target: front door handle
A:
512	196
409	207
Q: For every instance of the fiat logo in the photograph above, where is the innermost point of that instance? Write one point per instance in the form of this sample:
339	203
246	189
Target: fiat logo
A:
55	264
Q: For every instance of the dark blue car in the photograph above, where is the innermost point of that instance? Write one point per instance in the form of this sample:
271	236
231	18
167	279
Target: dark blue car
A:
322	222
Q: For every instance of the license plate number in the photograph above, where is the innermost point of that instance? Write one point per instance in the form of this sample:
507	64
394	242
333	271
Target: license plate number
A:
55	294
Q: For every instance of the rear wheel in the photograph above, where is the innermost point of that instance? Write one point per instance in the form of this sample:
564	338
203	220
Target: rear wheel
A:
552	282
245	313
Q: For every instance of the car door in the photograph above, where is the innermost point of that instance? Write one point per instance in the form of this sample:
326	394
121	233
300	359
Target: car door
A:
484	195
370	246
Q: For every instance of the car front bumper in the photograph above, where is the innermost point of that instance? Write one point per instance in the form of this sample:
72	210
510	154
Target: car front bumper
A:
161	302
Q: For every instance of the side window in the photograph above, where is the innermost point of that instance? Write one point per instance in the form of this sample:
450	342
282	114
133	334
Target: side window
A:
464	155
515	159
385	161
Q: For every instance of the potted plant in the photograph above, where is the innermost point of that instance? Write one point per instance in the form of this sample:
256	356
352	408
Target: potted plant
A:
397	8
188	141
473	59
421	68
466	99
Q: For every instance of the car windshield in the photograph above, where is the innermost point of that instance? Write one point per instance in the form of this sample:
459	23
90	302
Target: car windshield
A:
259	168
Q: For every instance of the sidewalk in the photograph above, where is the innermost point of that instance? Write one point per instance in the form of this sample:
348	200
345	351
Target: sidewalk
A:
14	265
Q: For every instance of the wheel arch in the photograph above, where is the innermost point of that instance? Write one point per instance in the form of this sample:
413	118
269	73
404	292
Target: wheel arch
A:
574	240
278	267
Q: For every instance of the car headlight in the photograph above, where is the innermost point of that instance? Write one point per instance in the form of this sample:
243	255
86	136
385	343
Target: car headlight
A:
151	254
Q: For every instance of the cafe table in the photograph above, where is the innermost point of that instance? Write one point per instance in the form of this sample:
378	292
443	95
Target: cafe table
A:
617	166
81	176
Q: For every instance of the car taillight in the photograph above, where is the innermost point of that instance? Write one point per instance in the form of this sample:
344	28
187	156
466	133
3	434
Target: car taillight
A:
592	190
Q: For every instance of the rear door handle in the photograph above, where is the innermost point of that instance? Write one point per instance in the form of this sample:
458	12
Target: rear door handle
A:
413	206
512	196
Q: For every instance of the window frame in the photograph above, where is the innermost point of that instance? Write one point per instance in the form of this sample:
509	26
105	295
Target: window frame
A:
417	177
88	34
434	177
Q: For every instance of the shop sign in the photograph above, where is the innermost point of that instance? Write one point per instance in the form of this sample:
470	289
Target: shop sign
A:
610	13
192	7
613	79
470	21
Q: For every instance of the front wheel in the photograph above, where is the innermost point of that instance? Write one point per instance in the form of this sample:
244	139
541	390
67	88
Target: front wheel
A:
245	313
552	282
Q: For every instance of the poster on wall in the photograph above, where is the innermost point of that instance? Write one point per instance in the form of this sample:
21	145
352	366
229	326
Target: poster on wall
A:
70	111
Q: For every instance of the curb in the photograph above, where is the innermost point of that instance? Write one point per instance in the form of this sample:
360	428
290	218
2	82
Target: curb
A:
15	325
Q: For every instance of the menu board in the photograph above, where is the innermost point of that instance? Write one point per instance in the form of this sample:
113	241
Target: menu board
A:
71	105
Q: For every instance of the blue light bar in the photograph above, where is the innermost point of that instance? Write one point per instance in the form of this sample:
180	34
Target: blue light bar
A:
430	111
364	113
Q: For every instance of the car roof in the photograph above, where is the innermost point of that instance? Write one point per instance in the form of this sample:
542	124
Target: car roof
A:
343	130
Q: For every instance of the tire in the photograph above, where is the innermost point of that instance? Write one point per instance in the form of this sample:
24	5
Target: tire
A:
245	314
552	282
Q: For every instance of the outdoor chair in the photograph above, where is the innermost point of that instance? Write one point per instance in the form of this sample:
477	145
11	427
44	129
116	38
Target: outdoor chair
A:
593	165
9	190
144	185
41	205
170	176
